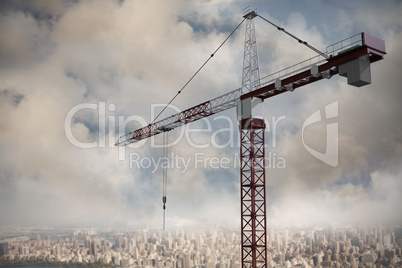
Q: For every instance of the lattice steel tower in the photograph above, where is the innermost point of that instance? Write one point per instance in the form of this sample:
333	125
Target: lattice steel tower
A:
252	151
251	73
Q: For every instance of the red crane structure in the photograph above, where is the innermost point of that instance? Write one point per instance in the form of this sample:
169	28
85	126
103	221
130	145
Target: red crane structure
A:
350	58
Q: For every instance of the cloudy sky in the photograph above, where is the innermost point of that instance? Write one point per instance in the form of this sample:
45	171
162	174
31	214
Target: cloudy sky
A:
100	62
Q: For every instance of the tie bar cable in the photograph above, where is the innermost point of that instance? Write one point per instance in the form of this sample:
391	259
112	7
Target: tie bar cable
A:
198	71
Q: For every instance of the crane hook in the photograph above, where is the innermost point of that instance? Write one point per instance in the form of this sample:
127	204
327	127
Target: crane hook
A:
164	202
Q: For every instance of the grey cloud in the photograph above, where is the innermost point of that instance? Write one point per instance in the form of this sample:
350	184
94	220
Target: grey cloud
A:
122	53
14	98
369	150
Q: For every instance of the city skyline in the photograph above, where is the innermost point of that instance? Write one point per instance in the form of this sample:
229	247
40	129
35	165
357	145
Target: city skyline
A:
205	246
118	59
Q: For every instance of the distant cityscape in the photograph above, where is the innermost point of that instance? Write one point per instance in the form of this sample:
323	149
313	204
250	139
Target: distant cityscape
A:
210	247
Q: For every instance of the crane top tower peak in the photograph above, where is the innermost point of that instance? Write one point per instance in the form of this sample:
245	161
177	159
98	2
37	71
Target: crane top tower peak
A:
252	107
249	13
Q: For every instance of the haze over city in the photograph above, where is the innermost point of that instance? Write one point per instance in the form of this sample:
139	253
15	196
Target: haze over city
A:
123	58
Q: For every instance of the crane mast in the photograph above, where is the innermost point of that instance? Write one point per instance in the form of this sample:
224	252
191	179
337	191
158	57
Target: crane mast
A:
350	58
252	157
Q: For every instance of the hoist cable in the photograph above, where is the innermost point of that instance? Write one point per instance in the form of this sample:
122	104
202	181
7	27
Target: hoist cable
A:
197	71
165	152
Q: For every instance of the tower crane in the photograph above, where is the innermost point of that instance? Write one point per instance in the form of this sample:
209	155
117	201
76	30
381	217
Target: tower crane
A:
350	58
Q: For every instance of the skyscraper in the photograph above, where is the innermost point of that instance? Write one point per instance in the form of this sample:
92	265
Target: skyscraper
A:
398	236
119	242
125	242
94	249
87	241
3	249
379	234
47	240
186	261
38	241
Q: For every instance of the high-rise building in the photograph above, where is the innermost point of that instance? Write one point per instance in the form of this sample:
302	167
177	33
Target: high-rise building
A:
380	234
58	250
3	249
87	241
94	249
119	242
47	243
271	234
25	251
398	236
125	242
38	241
335	246
186	261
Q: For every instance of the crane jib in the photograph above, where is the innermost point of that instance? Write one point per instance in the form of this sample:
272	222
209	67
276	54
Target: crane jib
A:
361	48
